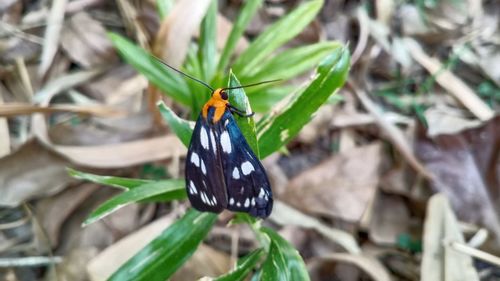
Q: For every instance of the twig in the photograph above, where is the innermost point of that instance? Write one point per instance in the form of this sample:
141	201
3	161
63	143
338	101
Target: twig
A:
463	248
29	261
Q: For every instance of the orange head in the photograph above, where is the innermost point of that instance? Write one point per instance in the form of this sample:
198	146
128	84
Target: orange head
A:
219	101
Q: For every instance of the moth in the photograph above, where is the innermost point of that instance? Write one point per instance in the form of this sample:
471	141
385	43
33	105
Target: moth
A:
222	171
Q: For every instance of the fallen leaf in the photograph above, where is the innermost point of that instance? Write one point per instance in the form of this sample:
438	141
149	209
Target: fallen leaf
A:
4	132
31	171
85	42
340	187
464	168
390	218
447	120
52	34
440	262
14	109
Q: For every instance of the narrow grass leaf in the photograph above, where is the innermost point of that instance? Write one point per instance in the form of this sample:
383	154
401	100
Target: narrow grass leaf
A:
283	261
275	36
158	74
291	63
172	189
245	265
124	183
246	14
277	129
161	258
181	127
207	52
238	99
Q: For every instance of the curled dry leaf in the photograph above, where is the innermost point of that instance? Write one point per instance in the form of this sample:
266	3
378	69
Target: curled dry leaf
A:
439	261
464	168
84	40
30	172
52	35
340	187
390	218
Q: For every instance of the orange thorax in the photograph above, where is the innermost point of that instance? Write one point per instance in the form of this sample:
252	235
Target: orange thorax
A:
218	103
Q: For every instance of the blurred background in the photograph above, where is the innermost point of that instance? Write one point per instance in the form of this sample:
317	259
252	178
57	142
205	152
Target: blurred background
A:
416	118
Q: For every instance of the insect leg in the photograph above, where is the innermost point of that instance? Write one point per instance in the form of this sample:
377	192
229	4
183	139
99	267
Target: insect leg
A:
239	112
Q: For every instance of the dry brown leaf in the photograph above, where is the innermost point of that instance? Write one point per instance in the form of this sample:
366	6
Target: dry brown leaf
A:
447	120
53	211
339	187
369	265
449	81
464	168
206	261
109	260
30	172
84	40
390	218
52	33
177	29
286	215
440	262
14	109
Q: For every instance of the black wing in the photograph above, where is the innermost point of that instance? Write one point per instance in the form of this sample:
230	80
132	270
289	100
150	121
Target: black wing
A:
248	188
204	171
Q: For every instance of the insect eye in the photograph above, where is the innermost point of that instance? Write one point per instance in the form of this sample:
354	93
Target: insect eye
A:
223	95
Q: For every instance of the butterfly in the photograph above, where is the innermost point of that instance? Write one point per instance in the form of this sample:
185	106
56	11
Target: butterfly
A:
222	171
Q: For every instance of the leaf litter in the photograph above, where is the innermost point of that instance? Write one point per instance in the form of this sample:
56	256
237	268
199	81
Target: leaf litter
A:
360	176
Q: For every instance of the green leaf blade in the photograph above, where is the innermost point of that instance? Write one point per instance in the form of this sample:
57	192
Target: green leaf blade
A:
275	36
169	82
207	53
166	253
238	99
119	182
276	130
181	127
246	14
245	265
283	261
171	189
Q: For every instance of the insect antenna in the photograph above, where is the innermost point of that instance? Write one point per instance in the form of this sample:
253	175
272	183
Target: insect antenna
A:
185	74
251	85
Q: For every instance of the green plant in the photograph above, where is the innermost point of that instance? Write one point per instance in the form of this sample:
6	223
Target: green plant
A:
276	259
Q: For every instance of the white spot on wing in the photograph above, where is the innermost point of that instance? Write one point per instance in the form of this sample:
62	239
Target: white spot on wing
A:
261	193
238	204
247	203
225	142
247	168
212	139
236	173
204	138
192	188
253	201
231	201
195	159
203	168
214	200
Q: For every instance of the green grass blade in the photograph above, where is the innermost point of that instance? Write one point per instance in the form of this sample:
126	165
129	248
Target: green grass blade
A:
207	52
245	265
124	183
238	99
181	127
246	14
164	7
275	36
172	189
264	99
169	251
276	130
291	63
165	79
283	261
